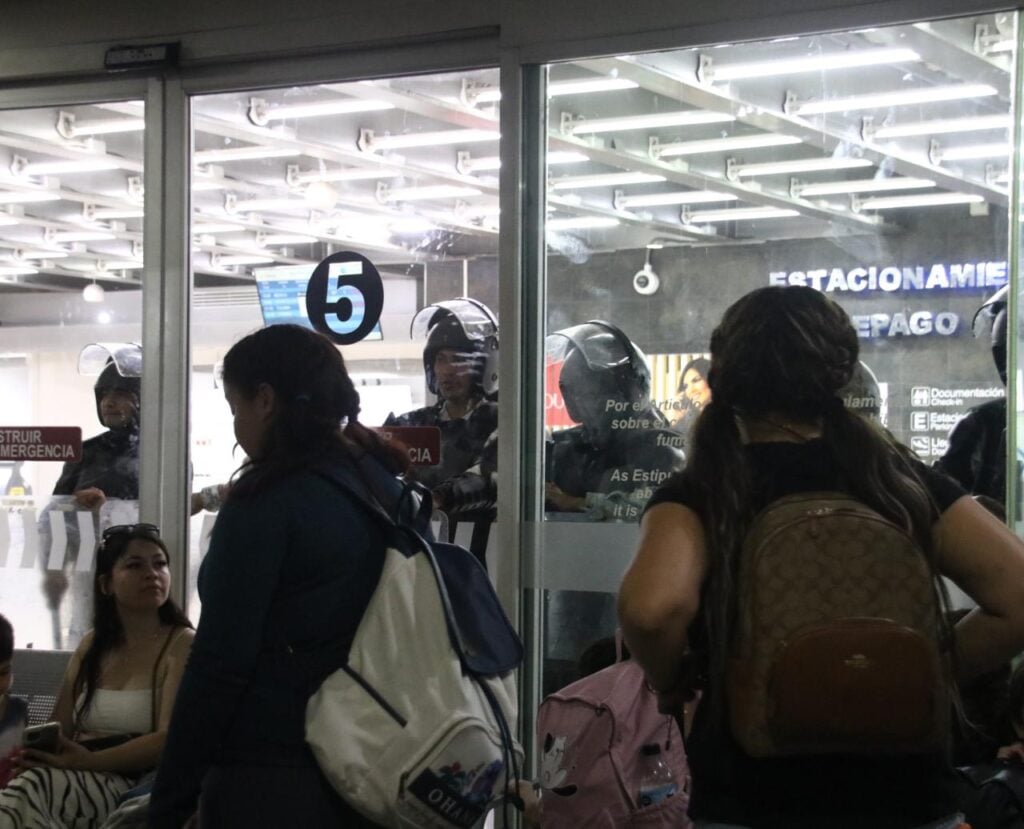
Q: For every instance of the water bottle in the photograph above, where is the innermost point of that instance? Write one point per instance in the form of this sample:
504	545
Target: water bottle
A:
656	779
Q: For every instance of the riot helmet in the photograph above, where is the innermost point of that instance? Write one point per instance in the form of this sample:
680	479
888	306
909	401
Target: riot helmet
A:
603	377
466	327
862	395
119	366
990	322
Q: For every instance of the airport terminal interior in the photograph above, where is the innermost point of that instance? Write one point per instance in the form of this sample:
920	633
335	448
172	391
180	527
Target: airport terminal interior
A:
875	165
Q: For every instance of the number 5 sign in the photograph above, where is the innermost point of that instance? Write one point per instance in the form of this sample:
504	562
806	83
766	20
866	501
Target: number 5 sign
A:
344	297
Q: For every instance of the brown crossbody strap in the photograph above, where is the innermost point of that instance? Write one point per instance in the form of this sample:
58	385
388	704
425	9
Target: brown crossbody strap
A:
156	665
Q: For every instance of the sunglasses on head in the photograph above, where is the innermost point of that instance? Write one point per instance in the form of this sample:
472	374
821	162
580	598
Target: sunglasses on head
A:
151	531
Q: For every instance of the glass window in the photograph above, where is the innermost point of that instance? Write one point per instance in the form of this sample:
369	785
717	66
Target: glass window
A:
71	187
871	165
403	171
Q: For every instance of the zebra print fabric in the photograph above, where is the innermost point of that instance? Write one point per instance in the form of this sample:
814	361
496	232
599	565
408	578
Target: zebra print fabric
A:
49	798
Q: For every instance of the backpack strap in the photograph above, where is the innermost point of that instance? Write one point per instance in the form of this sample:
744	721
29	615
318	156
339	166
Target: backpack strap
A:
408	503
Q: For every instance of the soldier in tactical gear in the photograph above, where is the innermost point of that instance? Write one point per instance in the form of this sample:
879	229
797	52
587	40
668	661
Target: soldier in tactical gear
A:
976	455
109	468
608	465
460	361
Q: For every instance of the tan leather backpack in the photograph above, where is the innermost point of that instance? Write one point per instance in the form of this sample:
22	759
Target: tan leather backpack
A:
838	645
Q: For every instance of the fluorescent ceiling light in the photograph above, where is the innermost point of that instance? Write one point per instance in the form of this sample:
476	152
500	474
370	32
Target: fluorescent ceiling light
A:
558	88
123	264
716	145
16	270
26	197
924	200
583	87
218	259
804	165
286	239
603	180
104	126
41	254
315	109
742	214
373	143
680	197
814	63
905	97
55	168
435	191
870	185
489	163
943	125
1000	150
683	118
209	229
240	154
342	174
98	213
581	223
249	205
80	236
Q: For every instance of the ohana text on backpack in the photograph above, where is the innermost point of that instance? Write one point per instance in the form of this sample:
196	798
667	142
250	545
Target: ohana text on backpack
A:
592	734
415	730
839	644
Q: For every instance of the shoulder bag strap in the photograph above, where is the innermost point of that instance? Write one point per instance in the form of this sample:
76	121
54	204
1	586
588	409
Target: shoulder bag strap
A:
156	666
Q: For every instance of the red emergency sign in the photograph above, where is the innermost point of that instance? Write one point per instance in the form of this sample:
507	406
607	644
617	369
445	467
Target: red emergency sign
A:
555	414
40	443
423	443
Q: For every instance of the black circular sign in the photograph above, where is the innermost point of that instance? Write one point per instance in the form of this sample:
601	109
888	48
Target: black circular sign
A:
345	297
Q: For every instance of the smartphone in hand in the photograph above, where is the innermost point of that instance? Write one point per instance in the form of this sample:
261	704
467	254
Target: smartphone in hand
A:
45	737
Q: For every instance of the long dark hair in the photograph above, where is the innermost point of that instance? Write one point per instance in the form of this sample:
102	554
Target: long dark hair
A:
107	628
699	364
786	352
313	395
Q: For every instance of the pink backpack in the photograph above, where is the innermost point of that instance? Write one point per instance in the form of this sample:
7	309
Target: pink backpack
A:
592	735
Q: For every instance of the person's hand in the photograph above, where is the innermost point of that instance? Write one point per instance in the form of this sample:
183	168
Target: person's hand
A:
563	501
90	498
1013	752
529	795
69	755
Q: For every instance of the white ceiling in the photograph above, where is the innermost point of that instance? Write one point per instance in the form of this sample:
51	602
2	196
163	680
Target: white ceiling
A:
350	171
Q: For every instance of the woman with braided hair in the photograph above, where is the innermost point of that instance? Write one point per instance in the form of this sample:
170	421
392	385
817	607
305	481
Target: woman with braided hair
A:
776	426
292	564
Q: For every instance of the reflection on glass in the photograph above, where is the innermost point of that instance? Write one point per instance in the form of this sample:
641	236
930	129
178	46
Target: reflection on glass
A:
403	171
604	468
871	165
71	189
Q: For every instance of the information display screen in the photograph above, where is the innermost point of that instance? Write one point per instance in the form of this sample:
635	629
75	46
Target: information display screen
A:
282	292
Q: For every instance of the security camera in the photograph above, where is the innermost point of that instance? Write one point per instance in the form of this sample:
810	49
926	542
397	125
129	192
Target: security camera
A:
646	281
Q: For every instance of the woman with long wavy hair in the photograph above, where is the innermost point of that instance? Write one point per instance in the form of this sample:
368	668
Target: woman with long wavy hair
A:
115	702
776	426
293	562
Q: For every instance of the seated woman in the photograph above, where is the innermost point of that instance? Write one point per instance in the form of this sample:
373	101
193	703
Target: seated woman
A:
117	695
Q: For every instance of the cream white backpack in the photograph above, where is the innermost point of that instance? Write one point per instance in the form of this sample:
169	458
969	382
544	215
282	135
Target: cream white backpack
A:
415	730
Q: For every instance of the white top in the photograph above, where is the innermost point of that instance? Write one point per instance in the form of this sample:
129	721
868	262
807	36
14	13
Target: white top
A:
119	712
